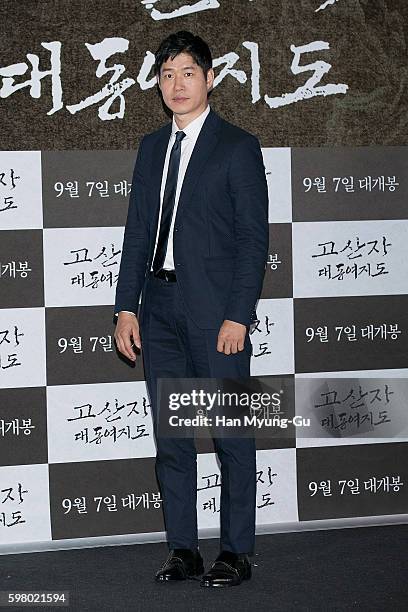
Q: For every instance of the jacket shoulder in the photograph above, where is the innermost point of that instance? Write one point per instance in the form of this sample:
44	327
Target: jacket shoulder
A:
235	134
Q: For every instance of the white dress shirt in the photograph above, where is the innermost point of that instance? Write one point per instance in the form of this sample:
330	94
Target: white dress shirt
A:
192	131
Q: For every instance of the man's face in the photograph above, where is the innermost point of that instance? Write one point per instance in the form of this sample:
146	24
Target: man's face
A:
183	85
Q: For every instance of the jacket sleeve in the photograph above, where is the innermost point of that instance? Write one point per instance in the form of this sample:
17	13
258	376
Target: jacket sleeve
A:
135	242
249	192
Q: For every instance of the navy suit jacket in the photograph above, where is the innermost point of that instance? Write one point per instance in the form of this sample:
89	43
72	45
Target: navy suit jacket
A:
220	239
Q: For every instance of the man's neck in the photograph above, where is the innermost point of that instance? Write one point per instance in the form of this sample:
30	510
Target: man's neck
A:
182	121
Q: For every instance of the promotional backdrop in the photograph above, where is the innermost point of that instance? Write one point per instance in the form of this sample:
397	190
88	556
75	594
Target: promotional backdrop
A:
323	85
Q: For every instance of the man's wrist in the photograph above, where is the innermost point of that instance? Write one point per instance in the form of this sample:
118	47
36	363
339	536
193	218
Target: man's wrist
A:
128	311
237	322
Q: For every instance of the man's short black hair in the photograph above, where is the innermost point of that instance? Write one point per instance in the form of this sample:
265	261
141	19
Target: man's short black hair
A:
183	41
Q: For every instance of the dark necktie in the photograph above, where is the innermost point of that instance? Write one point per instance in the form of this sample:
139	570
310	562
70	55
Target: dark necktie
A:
169	199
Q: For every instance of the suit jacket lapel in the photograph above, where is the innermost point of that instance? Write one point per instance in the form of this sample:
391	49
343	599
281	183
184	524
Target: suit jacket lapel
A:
204	146
157	171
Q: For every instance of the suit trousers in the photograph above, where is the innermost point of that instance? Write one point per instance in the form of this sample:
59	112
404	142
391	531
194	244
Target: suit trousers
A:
174	347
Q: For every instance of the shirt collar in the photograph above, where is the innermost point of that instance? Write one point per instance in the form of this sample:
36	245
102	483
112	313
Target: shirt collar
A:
193	128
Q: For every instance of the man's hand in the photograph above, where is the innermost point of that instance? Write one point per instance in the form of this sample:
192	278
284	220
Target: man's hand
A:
231	337
127	331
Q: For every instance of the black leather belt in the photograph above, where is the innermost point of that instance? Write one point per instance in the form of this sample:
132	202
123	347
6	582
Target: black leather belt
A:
167	275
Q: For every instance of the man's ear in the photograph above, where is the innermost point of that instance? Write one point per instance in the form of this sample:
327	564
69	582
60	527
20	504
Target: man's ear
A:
210	79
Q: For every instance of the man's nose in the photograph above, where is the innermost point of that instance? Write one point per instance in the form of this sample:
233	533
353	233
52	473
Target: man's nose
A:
179	83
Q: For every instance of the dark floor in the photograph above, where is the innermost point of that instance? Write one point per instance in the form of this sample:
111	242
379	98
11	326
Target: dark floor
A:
339	569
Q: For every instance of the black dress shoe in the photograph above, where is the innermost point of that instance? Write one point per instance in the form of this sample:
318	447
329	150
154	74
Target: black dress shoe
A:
182	563
229	569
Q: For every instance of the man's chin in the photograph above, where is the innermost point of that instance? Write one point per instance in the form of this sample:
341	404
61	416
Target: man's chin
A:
180	109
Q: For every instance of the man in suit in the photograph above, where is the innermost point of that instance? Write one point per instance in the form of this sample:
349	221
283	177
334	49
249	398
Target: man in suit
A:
195	248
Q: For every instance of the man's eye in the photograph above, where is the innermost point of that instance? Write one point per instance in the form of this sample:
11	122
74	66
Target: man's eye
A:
189	73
